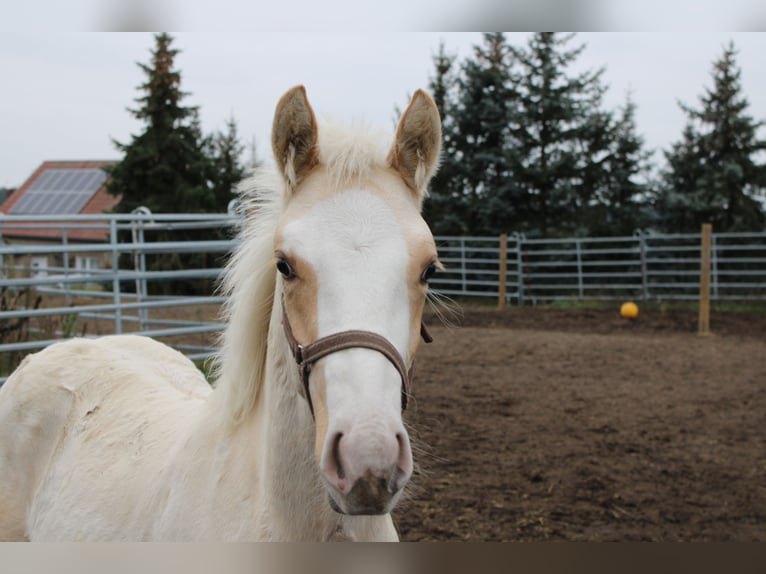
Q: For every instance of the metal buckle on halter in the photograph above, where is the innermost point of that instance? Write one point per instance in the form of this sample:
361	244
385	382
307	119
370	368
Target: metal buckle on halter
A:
299	354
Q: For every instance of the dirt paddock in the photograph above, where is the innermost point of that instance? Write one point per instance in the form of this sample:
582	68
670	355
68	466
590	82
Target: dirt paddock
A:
536	424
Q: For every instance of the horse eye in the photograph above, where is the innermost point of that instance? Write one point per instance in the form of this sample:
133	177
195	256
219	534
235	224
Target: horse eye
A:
285	269
428	273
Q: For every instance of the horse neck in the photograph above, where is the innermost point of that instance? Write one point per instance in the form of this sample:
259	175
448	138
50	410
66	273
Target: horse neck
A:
291	484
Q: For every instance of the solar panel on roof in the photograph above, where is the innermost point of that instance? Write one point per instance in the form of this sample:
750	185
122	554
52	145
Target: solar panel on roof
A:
57	203
60	191
67	181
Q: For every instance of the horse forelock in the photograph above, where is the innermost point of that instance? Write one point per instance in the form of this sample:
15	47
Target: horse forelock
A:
350	152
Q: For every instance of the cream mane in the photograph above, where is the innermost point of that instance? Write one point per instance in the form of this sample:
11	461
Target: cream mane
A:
348	153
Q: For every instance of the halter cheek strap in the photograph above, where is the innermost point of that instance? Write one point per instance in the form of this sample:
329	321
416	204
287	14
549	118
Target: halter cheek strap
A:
306	356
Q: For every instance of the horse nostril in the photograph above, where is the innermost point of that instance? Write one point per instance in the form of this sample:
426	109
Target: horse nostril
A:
404	461
339	471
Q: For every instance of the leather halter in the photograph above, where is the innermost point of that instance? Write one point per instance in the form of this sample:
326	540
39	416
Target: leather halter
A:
309	354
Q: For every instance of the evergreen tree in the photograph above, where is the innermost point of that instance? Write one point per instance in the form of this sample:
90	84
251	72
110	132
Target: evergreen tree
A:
712	173
484	193
225	153
5	193
172	167
165	167
528	147
621	202
560	136
441	208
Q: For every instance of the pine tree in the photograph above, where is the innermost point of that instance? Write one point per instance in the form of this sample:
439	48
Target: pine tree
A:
560	136
712	173
165	167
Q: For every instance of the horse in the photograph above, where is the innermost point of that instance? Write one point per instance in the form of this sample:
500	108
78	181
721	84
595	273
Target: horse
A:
301	435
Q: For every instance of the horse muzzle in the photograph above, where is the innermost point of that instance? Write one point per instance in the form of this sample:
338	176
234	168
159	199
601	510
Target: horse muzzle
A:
366	474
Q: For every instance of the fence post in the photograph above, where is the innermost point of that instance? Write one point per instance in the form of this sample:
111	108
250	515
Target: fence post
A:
503	271
115	277
642	249
464	284
704	303
578	250
139	262
67	286
714	272
519	267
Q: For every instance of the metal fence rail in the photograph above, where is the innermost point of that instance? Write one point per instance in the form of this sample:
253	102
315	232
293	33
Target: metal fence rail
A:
62	276
648	267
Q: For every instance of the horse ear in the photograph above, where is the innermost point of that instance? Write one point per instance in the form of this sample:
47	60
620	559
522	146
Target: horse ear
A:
294	136
415	153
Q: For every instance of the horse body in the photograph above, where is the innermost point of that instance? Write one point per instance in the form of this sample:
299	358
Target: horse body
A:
121	438
92	422
137	451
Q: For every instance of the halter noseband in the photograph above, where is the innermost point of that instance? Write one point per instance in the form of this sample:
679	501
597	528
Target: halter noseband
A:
309	354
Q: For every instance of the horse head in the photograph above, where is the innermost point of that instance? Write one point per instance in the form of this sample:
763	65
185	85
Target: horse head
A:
353	258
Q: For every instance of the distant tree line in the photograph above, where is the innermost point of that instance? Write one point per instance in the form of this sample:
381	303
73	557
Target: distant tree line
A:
529	147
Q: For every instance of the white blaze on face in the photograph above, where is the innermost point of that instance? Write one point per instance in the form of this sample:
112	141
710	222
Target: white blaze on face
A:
359	258
355	259
358	254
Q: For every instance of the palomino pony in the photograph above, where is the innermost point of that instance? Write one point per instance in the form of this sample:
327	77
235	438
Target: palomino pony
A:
121	438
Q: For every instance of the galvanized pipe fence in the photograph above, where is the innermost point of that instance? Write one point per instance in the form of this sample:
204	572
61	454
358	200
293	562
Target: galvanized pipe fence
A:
63	276
644	267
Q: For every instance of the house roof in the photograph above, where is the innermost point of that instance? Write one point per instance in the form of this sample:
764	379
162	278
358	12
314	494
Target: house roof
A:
60	188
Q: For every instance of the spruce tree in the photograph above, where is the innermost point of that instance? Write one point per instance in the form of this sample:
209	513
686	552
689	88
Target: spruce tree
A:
713	174
621	201
225	153
560	136
164	167
479	140
442	207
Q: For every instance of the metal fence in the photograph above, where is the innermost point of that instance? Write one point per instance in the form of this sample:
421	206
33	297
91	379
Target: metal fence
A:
63	276
644	267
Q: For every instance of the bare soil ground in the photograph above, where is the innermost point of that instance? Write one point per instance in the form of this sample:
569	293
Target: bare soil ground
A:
535	424
577	424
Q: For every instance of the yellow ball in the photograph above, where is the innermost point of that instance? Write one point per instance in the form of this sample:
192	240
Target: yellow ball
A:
629	310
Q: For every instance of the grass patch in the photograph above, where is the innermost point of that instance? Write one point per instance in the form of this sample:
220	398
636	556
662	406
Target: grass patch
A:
584	304
757	307
739	307
206	366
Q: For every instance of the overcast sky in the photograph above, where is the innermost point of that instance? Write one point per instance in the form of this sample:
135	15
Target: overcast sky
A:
64	95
